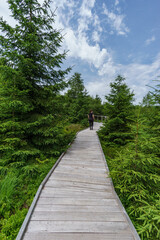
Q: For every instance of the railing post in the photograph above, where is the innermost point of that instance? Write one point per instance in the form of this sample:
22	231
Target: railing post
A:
100	117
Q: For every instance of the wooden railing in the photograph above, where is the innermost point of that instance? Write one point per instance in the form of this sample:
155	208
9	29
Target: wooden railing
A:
100	118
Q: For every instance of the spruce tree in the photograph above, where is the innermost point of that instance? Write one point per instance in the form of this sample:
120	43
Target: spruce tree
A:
77	99
135	171
155	120
31	75
96	105
116	129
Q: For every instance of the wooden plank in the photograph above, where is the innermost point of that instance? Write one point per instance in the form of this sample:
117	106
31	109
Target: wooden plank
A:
85	146
77	208
78	236
82	163
83	154
81	201
76	191
78	216
77	226
82	172
92	161
79	178
84	151
82	167
79	195
61	183
80	188
78	201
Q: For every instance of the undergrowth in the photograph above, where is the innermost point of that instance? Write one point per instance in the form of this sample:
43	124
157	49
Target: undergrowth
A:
135	171
19	182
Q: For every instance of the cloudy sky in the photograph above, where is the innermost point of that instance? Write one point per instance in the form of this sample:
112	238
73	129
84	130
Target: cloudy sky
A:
109	37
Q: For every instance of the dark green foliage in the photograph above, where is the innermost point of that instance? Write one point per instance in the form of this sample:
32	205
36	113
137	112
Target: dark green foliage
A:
18	186
116	129
30	79
77	100
135	170
35	123
135	167
19	181
155	117
10	226
156	92
31	129
34	117
96	105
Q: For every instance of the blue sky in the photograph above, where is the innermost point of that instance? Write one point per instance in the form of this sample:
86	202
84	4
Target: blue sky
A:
109	37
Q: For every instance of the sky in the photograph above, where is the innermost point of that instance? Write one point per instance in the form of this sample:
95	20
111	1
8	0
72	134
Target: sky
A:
106	38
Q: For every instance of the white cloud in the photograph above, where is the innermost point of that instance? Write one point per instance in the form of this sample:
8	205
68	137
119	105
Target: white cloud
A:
63	3
76	39
96	23
6	13
76	23
85	15
98	87
116	21
138	76
75	36
79	47
95	36
85	10
108	68
116	2
150	40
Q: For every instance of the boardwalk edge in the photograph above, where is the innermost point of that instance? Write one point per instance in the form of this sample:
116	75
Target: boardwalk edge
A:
135	234
30	211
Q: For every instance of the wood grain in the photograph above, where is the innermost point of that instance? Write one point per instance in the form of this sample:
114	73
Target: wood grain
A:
78	202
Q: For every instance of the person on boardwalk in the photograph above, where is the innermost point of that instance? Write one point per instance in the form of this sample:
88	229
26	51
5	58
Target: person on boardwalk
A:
91	119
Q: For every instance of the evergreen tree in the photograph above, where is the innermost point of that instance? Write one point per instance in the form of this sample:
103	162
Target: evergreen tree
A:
31	76
77	99
155	120
116	129
96	105
135	170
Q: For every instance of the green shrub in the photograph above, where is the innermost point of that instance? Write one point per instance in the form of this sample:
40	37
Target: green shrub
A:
10	226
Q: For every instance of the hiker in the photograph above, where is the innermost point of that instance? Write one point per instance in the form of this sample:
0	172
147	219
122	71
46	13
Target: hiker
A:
91	119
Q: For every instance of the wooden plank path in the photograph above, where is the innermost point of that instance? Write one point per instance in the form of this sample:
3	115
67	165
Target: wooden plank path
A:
78	201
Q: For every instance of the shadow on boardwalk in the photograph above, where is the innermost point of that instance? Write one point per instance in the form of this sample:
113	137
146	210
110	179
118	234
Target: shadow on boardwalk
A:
78	201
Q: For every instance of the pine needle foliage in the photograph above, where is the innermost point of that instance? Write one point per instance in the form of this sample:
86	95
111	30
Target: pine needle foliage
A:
119	108
77	100
135	170
31	76
19	181
135	166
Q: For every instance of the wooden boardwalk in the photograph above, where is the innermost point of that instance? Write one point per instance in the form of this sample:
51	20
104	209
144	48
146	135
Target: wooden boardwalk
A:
78	201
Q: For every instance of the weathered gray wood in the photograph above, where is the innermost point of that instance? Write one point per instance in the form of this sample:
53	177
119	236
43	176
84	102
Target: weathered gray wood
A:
78	202
76	194
76	208
78	236
61	184
76	160
82	163
78	226
79	178
82	167
78	216
82	171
